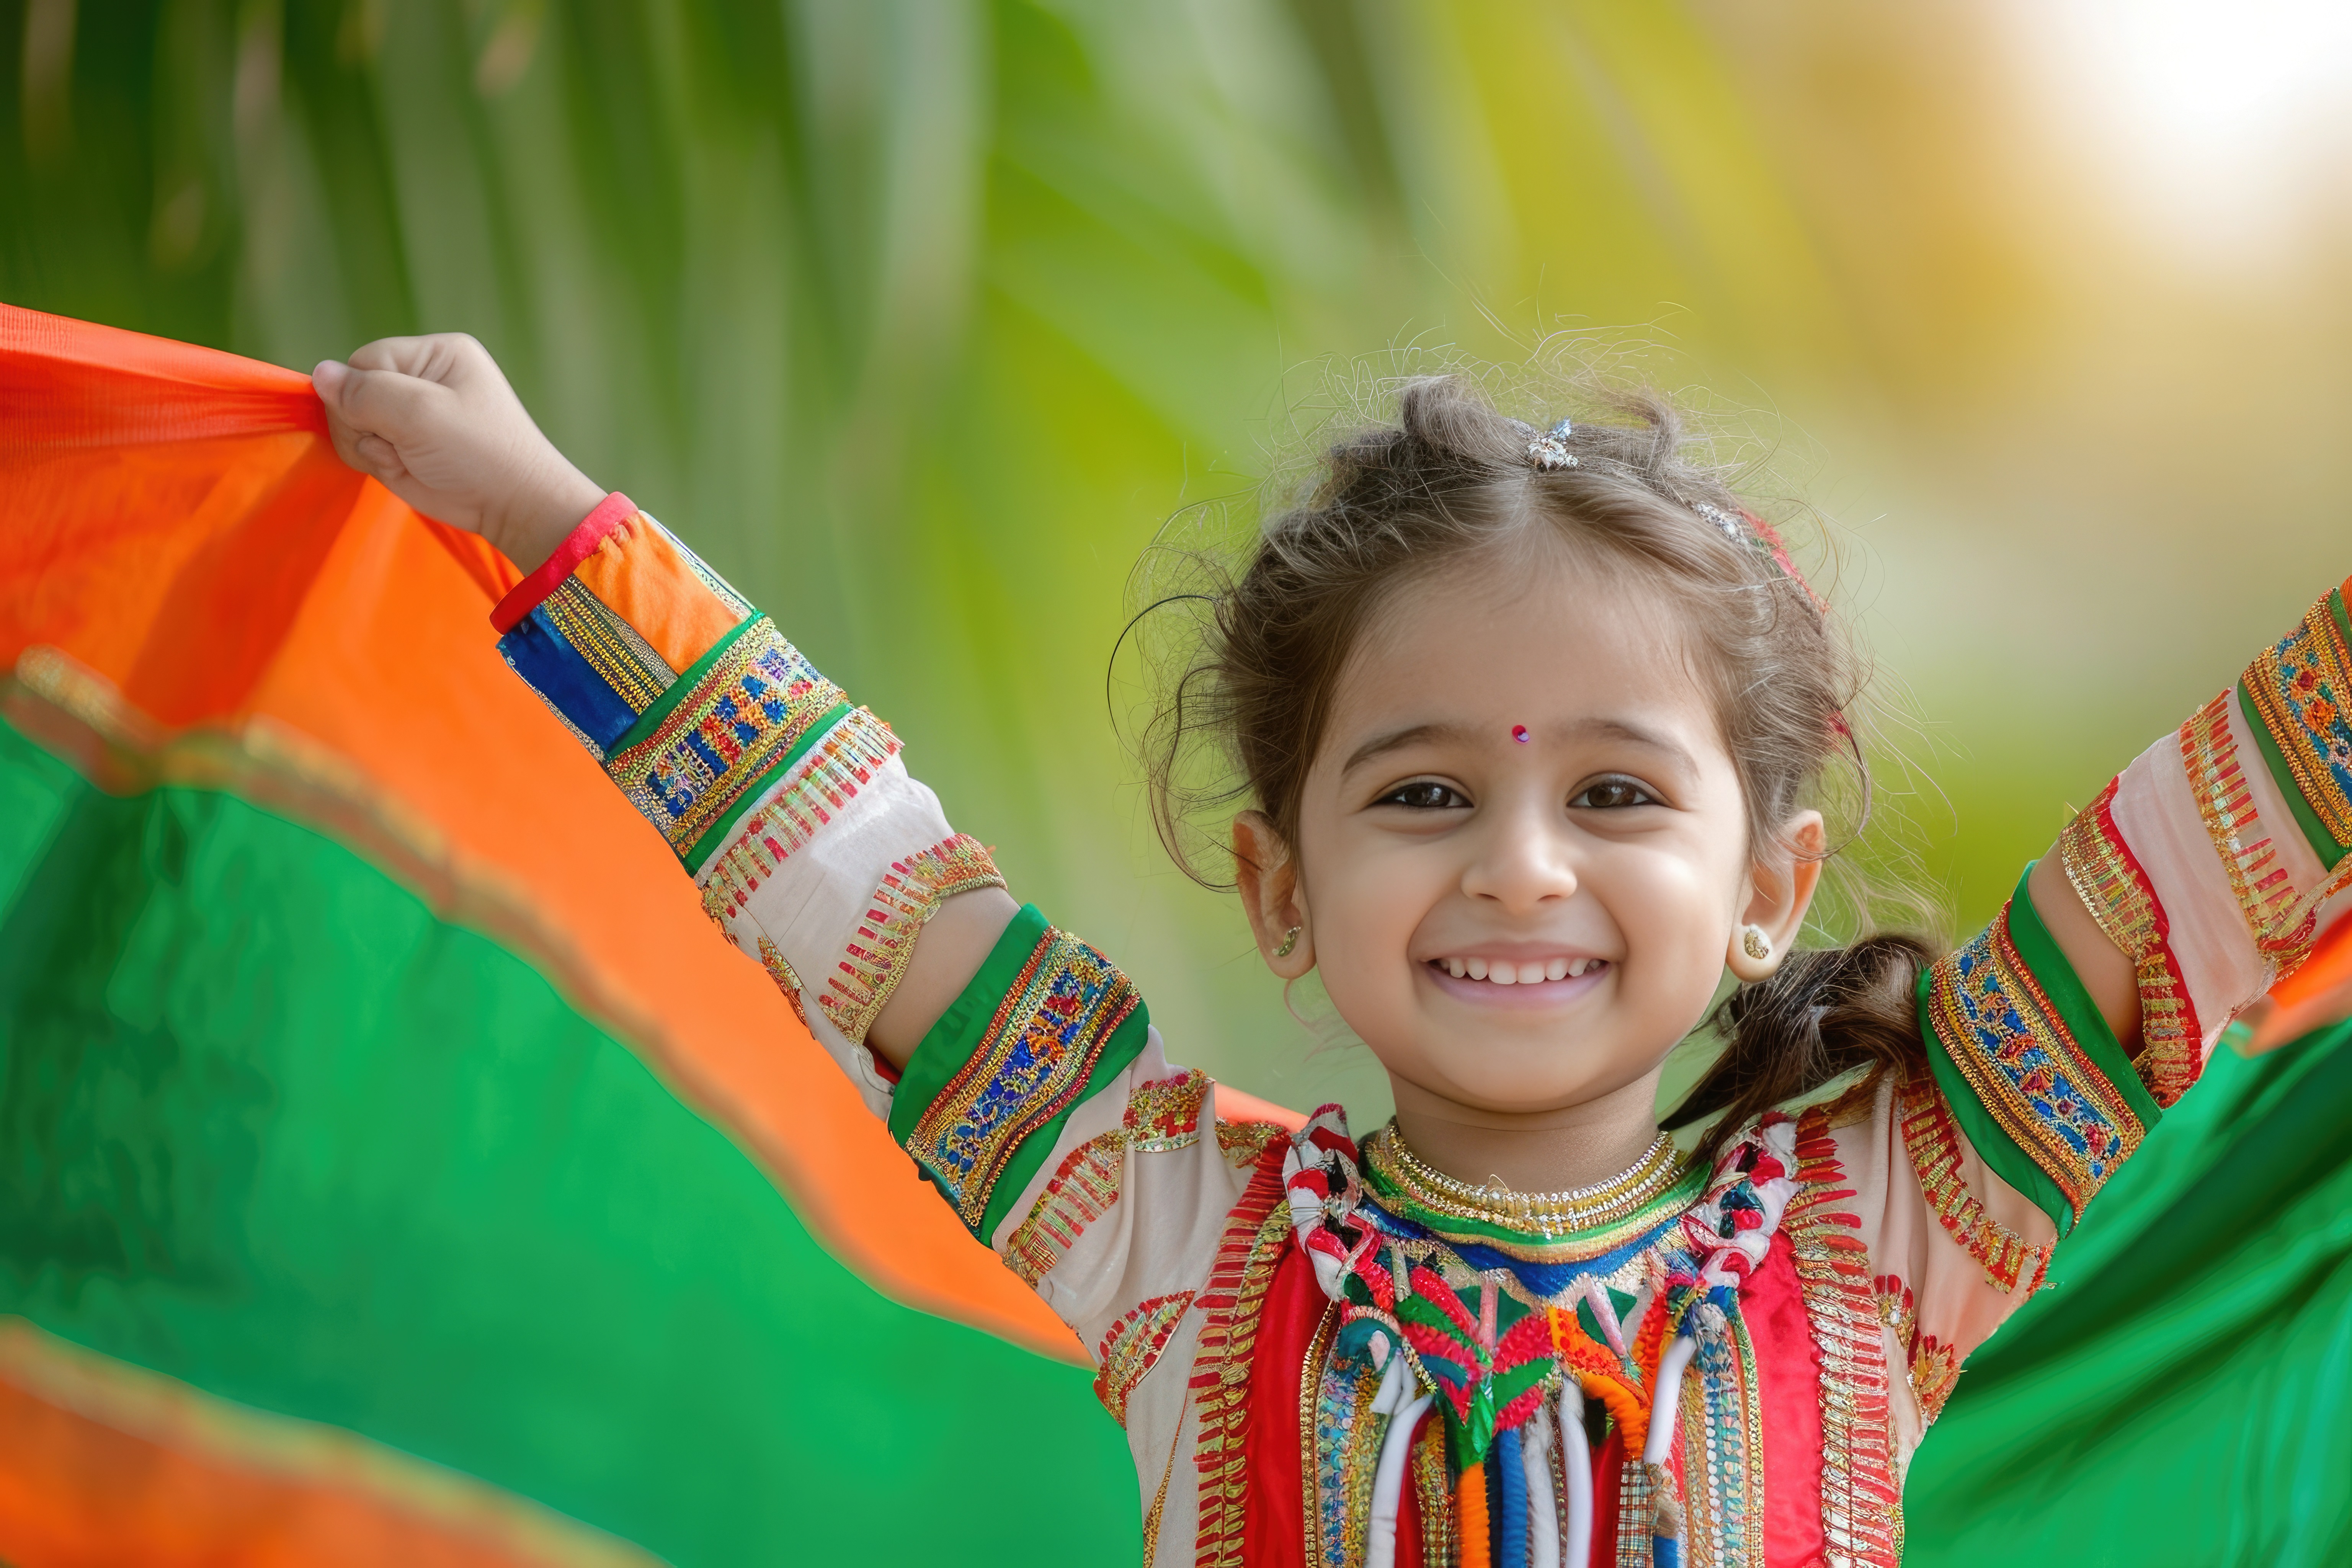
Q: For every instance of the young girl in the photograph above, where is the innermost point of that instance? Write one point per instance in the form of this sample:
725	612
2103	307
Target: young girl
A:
1529	718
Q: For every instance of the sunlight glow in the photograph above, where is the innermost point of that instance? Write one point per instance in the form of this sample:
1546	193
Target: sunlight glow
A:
2226	126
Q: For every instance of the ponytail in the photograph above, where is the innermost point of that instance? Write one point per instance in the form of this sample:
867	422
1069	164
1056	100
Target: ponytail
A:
1822	1014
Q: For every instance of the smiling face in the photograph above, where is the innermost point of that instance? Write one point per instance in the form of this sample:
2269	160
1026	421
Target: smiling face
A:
1522	849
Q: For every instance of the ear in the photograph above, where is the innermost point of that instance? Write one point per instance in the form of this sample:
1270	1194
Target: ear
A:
1266	876
1781	889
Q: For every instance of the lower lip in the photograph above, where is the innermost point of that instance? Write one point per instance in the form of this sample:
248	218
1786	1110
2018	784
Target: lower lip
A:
1526	998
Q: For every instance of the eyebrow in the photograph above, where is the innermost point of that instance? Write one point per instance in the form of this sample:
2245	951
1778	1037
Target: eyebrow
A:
1397	739
1443	733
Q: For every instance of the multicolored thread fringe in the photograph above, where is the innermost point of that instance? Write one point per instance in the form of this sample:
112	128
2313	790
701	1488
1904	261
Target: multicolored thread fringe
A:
1933	1139
1861	1507
2107	878
878	951
820	782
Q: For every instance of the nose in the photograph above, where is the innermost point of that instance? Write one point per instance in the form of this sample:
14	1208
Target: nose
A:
1522	860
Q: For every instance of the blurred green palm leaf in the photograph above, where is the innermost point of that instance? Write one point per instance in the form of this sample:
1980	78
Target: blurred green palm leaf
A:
917	317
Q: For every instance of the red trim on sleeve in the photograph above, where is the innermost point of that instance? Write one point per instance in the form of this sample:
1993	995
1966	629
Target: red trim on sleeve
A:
578	545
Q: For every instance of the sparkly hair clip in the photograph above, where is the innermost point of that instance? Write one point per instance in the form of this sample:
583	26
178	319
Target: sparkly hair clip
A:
1729	526
1549	450
1746	528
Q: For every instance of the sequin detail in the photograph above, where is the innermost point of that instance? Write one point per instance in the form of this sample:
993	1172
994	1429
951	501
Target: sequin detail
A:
1132	1348
820	782
1933	1140
1029	1066
2007	1040
2300	689
607	644
1256	1233
1934	1367
2281	928
880	950
745	712
2108	877
1163	1116
1862	1506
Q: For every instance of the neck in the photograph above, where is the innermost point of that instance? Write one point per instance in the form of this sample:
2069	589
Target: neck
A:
1535	1152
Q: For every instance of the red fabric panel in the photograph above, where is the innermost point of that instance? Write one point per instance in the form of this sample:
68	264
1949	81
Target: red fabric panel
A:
1788	1372
1275	1502
1608	1470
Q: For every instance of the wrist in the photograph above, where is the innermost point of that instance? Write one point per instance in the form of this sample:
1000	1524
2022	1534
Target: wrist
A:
542	514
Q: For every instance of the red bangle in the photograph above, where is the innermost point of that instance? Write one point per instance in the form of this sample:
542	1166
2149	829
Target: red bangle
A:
578	545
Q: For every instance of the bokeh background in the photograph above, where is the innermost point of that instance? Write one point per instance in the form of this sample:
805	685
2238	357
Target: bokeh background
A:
922	319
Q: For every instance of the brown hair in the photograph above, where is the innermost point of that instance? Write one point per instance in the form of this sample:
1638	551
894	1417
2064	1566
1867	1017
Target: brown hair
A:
1454	477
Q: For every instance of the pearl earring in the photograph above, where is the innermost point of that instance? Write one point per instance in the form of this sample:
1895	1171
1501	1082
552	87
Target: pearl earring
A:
1755	943
1289	941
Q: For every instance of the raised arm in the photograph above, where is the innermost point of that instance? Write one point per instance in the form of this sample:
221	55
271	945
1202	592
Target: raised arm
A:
1014	1063
2191	884
625	633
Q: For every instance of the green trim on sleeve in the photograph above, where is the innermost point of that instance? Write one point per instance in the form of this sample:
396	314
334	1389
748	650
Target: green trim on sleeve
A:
690	679
2006	1160
2314	832
1124	1046
715	836
951	1041
961	1034
2083	1018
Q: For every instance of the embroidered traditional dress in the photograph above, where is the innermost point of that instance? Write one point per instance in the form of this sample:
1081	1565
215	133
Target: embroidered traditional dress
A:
1324	1354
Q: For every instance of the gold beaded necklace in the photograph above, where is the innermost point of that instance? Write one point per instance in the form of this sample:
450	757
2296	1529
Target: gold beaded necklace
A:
1547	1215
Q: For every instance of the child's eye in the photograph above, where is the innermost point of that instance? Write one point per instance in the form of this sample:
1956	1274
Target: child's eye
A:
1610	794
1423	795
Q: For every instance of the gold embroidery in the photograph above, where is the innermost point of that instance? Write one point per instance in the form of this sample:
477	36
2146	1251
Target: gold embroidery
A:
878	951
1256	1233
2300	687
1861	1502
2265	894
823	779
745	712
1081	1191
1163	1116
771	959
1132	1348
2006	1038
1933	1139
1934	1367
2108	877
1244	1142
1031	1063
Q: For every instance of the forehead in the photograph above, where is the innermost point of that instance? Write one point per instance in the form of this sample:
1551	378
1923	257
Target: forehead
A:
1538	638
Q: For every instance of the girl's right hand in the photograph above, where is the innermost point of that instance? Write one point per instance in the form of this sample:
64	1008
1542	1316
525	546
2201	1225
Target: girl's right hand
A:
433	419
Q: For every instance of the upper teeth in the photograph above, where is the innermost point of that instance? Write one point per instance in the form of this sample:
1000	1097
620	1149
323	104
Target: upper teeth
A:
1502	971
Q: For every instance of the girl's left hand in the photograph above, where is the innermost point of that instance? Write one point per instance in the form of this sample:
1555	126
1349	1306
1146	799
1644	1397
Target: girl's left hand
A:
433	419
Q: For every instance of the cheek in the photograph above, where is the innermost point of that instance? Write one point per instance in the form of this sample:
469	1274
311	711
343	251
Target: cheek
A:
1675	907
1367	898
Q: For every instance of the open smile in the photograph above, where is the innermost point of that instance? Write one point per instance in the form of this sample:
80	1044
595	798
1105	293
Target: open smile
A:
1516	983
